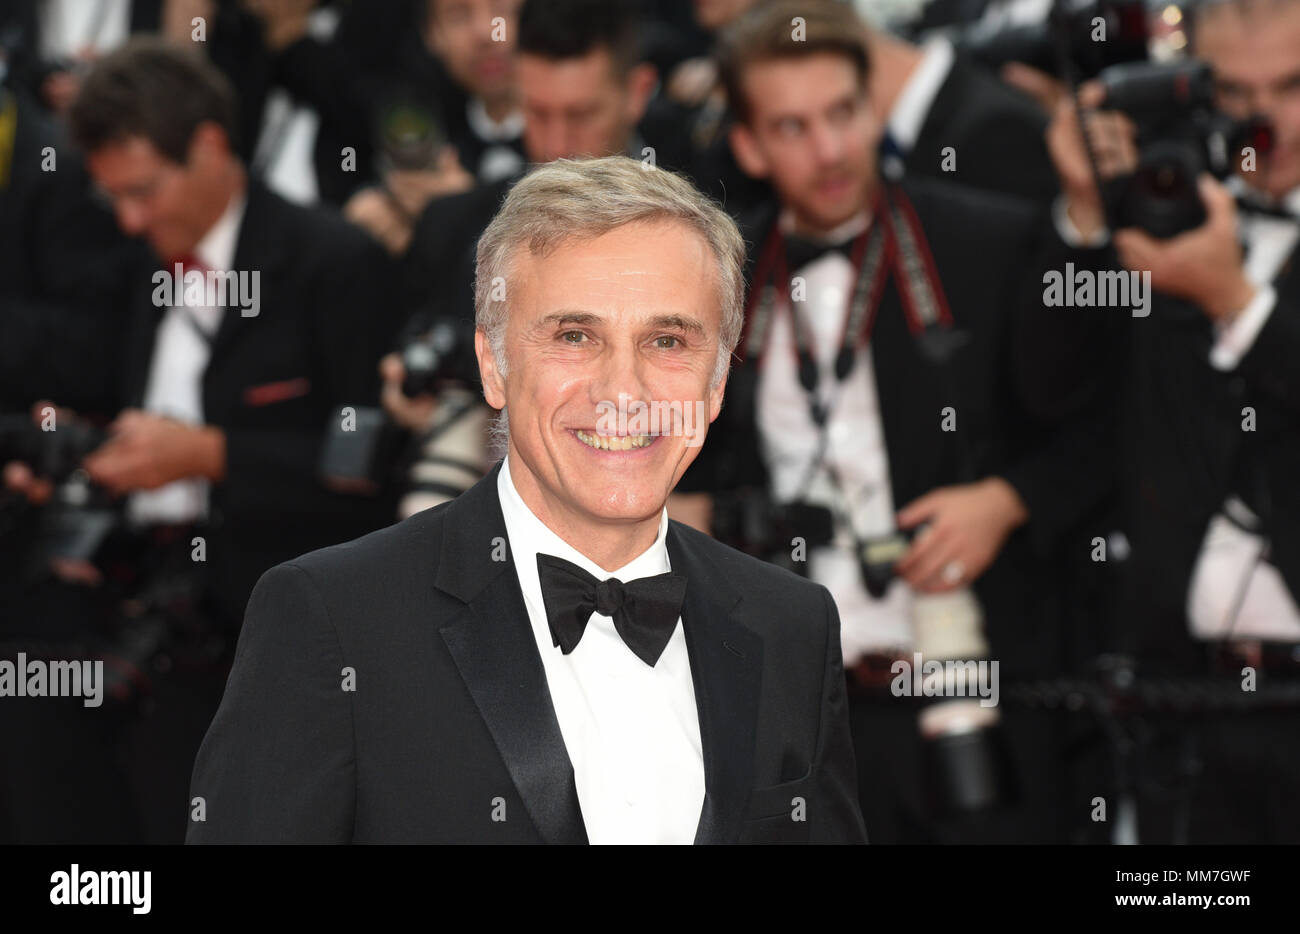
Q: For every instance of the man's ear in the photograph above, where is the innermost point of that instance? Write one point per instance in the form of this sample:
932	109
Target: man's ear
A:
716	394
747	152
494	386
641	82
208	141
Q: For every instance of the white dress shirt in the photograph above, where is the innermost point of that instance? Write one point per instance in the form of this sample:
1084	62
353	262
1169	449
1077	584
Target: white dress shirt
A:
500	159
908	114
175	384
856	449
1235	592
71	27
631	730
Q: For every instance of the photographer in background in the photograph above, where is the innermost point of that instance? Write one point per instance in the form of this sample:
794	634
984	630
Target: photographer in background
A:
458	93
1211	442
583	85
221	406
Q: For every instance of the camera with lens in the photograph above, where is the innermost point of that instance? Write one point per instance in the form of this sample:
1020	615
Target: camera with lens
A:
410	137
1078	40
1180	135
80	516
750	521
879	555
364	447
55	453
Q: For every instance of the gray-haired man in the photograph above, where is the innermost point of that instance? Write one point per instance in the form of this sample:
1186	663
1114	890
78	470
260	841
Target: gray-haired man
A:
548	658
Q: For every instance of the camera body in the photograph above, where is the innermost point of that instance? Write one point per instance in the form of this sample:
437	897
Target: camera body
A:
1065	44
362	451
751	521
1180	135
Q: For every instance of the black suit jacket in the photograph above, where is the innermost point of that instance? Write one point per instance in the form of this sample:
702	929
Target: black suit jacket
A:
1023	386
274	381
451	716
996	131
1184	451
438	269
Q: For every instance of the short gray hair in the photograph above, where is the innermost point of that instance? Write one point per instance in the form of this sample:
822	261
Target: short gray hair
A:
576	199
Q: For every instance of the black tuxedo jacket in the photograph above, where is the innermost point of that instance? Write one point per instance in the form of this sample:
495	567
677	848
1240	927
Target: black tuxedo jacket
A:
996	131
1185	450
438	269
274	381
451	720
1024	388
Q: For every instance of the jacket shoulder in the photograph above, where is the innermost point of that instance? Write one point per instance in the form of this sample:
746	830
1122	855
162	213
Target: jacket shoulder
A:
755	579
382	558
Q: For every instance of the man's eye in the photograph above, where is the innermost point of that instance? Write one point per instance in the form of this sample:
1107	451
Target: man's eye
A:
675	341
572	337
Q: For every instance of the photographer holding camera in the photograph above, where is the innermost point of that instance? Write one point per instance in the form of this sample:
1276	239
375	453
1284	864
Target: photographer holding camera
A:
1211	406
252	321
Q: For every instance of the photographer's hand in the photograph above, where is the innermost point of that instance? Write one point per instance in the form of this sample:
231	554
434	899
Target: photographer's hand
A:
146	451
1113	139
414	414
967	525
1204	265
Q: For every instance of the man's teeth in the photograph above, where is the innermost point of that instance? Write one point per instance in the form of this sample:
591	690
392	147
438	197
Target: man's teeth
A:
613	442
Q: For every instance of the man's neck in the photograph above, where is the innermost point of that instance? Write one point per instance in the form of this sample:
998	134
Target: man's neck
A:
893	62
610	545
499	107
230	185
804	226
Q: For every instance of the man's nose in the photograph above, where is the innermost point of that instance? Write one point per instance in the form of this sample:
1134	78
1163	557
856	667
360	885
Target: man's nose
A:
828	144
131	218
620	376
555	140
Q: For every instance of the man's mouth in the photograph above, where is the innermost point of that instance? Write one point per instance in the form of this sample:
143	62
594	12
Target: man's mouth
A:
613	442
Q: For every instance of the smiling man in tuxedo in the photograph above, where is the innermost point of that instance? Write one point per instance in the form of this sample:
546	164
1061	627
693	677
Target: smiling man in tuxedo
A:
549	658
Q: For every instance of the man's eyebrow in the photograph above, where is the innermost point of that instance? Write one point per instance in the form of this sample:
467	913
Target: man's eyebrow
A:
669	322
570	317
678	322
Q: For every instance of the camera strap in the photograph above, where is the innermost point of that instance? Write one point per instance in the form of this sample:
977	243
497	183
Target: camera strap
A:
894	244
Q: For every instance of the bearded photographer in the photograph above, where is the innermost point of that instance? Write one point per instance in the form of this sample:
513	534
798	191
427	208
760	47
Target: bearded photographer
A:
1210	425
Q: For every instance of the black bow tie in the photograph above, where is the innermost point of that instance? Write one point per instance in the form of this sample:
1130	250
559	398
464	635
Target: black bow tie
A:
800	251
644	611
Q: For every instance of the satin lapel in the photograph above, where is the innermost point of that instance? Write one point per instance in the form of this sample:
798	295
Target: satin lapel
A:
726	666
492	644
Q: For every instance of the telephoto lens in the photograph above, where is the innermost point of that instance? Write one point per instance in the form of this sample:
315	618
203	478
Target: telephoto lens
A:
967	762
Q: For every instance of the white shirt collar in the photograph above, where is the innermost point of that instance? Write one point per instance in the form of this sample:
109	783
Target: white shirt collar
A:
917	96
1289	202
529	536
217	248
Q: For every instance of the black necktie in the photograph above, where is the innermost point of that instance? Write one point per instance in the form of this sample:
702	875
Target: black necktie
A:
644	611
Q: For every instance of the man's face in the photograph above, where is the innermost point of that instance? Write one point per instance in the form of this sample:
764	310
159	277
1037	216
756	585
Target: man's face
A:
812	134
714	14
635	312
171	205
477	54
1256	62
578	106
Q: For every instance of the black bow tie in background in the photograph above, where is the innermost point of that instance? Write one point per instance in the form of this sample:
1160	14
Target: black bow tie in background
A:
800	251
644	611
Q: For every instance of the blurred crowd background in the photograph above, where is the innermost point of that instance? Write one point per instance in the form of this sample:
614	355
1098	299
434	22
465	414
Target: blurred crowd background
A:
1114	509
